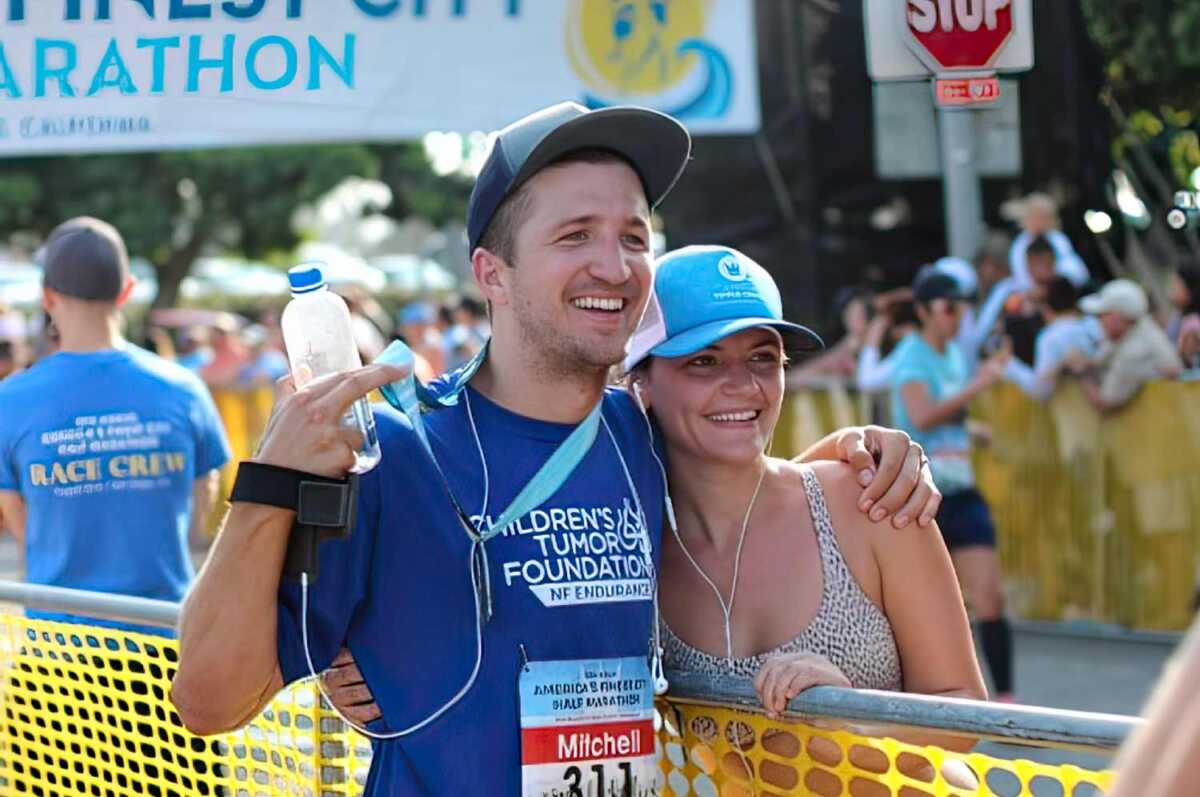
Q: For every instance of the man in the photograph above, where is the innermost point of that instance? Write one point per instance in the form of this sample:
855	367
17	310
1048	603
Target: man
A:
1136	351
1068	334
995	285
560	236
1023	314
1038	215
108	454
932	389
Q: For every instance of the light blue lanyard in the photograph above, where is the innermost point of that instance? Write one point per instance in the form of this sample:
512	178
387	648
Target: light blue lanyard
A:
413	399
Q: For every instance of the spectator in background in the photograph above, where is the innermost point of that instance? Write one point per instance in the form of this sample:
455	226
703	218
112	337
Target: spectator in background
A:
1038	216
465	332
265	363
108	454
1068	333
12	325
1067	337
991	265
193	351
1023	317
368	321
8	358
44	336
1136	350
840	360
931	391
963	274
229	356
894	321
1184	328
418	328
996	286
473	314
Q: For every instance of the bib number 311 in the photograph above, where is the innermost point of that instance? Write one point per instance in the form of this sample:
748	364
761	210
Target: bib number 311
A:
587	729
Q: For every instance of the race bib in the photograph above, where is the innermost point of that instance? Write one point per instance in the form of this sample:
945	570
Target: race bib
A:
587	729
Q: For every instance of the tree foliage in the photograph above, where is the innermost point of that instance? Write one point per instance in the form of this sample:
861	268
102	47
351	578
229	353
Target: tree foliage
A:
1152	55
174	206
1152	49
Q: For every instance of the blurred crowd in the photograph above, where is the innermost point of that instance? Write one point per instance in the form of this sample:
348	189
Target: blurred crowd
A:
1027	310
246	351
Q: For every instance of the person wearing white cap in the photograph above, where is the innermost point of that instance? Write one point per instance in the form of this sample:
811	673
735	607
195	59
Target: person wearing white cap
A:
1137	350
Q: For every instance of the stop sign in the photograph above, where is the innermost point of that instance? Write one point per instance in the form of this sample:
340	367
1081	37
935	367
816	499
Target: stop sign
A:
954	35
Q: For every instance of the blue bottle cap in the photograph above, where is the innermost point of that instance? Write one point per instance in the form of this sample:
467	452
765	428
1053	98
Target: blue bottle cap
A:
306	278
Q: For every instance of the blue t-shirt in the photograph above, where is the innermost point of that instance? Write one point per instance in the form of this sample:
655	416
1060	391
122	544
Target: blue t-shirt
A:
569	581
945	374
104	448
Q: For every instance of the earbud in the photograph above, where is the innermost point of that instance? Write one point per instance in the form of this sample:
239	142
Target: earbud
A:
660	679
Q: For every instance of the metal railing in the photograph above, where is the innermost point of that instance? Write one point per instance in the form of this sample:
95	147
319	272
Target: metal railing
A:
1027	725
101	605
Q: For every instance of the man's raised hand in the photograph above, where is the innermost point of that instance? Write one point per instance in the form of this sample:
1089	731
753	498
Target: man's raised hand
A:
306	432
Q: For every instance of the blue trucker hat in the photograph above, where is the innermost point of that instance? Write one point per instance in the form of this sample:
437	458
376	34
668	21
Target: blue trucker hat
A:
705	293
656	145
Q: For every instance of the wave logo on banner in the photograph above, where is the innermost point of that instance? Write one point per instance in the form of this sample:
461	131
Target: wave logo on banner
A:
650	53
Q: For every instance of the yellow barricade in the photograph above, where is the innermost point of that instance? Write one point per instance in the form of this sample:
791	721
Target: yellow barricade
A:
86	711
718	752
1098	517
244	414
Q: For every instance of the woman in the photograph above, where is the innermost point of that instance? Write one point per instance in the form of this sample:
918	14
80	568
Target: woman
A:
771	571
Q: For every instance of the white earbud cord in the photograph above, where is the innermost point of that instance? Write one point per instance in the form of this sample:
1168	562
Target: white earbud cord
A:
726	611
466	687
726	608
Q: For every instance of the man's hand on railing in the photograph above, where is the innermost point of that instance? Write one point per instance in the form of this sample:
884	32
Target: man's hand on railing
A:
348	691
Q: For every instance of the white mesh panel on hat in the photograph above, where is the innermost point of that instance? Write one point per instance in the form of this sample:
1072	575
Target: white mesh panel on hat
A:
651	331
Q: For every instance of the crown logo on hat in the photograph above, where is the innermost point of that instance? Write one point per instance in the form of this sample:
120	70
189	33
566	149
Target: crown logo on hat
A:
731	268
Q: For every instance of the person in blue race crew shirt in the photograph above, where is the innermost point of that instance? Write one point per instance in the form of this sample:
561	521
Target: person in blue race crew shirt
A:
480	618
108	454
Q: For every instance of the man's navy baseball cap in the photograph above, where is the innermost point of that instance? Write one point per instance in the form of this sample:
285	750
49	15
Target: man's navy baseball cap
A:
656	145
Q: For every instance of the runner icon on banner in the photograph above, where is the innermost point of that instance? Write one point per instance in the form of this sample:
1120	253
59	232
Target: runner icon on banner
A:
587	729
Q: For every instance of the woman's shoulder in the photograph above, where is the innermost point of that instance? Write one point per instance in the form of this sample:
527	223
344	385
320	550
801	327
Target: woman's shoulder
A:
838	489
835	495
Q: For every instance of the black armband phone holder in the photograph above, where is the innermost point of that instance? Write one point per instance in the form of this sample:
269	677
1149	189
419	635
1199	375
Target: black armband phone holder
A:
324	507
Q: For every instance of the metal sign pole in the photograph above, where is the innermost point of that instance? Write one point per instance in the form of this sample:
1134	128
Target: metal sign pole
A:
962	195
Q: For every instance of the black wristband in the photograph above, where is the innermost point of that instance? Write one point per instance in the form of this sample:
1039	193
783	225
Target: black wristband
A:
259	483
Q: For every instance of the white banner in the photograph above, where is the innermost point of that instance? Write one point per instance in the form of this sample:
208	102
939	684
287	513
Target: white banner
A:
109	75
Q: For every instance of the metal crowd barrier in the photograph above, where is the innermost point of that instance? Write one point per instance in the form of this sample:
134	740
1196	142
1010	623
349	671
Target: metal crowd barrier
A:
86	711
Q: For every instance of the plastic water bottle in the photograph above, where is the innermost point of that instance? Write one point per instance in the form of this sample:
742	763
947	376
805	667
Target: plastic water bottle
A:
320	340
